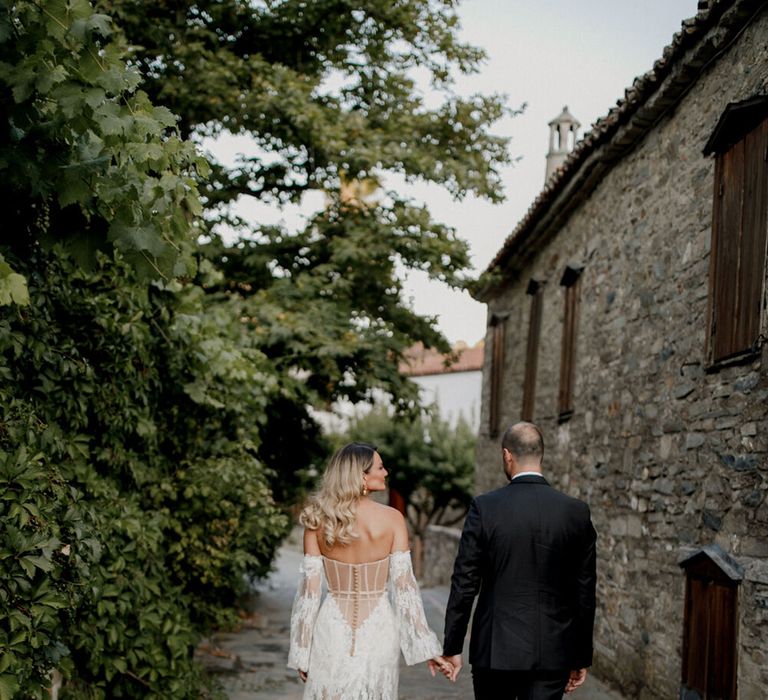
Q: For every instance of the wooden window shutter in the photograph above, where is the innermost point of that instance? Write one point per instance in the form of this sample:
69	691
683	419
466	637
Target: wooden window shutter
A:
709	630
532	350
739	233
570	283
497	373
754	233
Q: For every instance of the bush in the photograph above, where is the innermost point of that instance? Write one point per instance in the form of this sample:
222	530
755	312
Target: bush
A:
132	505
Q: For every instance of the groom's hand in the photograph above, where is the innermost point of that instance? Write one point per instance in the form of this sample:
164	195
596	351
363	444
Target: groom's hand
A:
576	679
457	663
439	663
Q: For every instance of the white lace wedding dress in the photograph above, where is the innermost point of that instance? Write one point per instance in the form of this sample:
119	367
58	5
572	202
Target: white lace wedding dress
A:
350	645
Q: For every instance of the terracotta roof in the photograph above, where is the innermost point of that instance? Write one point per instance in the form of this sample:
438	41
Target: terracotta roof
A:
611	137
421	361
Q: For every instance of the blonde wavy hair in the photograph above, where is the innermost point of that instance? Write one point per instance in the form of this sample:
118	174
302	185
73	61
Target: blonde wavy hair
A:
332	508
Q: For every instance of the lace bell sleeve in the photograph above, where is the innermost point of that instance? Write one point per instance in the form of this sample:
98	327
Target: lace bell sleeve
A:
417	641
305	607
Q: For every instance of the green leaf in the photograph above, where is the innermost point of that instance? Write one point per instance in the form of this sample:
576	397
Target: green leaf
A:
101	24
69	96
140	238
112	120
8	686
112	80
13	286
94	97
74	188
164	116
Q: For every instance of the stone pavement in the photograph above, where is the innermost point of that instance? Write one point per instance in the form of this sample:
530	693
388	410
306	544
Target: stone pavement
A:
250	662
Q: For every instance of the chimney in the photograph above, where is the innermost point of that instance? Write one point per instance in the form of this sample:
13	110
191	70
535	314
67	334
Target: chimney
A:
563	132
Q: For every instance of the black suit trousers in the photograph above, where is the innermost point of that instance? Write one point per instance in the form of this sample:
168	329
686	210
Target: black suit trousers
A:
492	684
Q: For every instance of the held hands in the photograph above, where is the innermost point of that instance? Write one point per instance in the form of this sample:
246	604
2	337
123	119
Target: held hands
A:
440	664
457	663
576	679
449	666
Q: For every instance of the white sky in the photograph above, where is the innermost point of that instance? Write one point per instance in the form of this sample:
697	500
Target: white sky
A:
546	53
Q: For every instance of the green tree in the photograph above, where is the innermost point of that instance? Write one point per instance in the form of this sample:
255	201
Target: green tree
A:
431	464
132	499
328	93
139	371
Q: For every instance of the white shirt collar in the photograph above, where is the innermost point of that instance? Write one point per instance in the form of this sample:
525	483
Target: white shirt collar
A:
527	474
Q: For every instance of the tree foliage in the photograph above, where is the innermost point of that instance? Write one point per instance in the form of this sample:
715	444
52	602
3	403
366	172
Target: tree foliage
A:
324	89
87	159
153	389
330	95
131	496
132	500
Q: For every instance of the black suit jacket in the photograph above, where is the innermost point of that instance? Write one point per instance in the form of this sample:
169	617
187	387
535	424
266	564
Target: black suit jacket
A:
530	552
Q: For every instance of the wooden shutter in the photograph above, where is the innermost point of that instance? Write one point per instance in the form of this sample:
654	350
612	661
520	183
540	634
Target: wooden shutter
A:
754	225
739	225
710	627
532	350
570	283
497	374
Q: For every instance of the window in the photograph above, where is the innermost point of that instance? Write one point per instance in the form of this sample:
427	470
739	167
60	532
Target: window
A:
532	350
710	625
739	223
497	372
570	283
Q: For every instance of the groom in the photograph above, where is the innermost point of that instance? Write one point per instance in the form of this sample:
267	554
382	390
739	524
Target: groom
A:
530	552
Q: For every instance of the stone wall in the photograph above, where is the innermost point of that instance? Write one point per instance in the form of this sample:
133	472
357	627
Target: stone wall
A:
667	454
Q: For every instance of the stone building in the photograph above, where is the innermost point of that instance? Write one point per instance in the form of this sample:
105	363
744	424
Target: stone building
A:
627	317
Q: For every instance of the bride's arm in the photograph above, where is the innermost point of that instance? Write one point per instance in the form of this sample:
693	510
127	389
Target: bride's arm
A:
306	605
417	641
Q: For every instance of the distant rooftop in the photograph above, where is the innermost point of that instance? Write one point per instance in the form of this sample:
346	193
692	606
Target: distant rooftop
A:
421	361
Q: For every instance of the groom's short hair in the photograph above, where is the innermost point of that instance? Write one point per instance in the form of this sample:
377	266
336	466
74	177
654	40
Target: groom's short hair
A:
525	441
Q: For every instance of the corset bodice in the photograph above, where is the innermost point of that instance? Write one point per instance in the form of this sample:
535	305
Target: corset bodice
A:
356	588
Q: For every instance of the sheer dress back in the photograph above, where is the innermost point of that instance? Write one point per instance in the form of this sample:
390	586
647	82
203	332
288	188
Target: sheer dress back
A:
357	589
350	640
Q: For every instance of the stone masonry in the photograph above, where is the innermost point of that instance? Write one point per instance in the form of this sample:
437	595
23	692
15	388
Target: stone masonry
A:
670	456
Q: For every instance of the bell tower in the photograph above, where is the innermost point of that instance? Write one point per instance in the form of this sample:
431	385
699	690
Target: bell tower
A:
563	132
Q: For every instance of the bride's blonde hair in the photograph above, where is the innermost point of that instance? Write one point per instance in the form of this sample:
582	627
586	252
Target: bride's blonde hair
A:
332	508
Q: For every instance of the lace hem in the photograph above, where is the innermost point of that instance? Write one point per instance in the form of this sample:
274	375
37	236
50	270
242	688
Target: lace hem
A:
379	686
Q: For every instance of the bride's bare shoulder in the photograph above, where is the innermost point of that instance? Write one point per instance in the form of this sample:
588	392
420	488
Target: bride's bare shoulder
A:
382	511
378	515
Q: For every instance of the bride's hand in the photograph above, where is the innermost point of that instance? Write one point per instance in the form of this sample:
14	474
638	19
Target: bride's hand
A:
303	676
440	663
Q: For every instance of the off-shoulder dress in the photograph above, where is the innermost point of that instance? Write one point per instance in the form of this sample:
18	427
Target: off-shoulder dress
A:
349	641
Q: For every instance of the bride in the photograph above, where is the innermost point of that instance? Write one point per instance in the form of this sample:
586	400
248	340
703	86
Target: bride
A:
347	648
